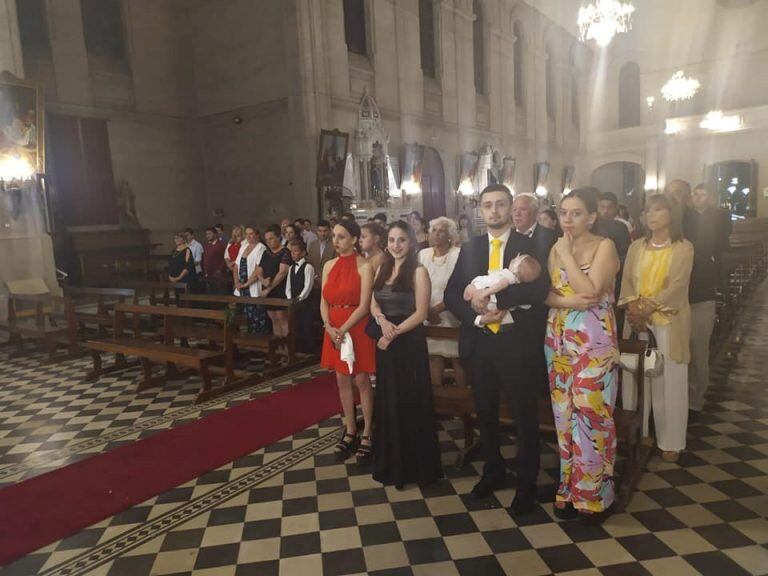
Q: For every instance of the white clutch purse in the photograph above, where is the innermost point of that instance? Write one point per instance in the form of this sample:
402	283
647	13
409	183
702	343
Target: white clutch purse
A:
653	359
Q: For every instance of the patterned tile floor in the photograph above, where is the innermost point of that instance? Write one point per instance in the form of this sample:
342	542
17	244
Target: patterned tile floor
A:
291	509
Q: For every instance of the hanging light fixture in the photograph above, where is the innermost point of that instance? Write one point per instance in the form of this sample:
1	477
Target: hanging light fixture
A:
679	87
603	19
716	121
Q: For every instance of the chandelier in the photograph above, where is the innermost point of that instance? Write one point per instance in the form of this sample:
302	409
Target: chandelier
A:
602	20
679	87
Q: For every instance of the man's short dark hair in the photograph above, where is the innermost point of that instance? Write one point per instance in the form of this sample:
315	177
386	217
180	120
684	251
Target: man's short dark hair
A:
212	229
348	216
218	226
380	216
323	223
496	188
275	229
610	197
299	243
189	231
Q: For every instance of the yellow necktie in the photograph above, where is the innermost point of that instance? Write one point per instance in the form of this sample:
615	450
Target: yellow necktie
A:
494	263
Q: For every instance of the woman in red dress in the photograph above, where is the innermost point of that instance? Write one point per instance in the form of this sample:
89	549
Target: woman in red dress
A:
346	300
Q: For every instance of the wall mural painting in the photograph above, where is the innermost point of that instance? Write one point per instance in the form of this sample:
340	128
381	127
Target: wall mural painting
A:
22	159
331	165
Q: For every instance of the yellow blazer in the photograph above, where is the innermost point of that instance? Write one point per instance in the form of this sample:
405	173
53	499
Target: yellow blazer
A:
673	296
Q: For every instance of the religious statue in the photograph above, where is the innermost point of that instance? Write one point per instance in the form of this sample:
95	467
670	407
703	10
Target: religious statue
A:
126	206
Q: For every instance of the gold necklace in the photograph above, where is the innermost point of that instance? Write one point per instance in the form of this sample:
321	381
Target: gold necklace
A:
440	260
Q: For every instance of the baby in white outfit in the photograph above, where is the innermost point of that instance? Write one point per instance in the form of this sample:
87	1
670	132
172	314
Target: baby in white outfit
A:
521	269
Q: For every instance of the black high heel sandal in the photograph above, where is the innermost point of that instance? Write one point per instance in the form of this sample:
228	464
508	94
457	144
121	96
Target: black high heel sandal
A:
345	446
567	512
364	451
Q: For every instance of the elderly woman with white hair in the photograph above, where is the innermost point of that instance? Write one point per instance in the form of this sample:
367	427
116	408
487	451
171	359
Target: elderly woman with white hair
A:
439	260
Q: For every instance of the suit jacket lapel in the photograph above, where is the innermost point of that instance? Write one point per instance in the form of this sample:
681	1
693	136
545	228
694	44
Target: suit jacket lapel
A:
510	251
482	257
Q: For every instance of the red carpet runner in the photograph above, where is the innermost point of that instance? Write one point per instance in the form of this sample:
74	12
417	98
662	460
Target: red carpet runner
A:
47	508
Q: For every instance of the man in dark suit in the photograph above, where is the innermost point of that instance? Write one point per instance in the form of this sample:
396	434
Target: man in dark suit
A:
492	344
321	250
525	212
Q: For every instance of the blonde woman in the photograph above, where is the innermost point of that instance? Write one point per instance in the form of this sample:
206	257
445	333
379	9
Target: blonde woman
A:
440	260
233	246
654	290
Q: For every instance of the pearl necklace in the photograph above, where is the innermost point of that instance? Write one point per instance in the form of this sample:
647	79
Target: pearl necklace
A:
664	244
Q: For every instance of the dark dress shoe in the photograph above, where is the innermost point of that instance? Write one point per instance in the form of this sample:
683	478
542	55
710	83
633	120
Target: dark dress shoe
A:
566	513
485	487
524	502
595	519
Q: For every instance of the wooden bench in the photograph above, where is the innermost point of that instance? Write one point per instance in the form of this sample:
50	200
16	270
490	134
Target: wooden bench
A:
458	402
94	306
158	293
148	350
43	319
266	343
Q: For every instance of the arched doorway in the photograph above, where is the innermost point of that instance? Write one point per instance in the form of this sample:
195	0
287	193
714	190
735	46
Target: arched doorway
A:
626	180
432	184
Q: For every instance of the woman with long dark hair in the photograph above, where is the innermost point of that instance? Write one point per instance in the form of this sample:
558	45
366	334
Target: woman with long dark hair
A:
406	448
582	353
344	306
373	240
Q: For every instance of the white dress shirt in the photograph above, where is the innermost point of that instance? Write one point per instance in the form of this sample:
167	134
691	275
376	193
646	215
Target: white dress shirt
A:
197	254
309	279
507	319
530	230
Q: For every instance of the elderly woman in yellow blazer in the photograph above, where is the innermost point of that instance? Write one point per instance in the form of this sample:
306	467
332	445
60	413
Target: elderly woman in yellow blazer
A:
654	291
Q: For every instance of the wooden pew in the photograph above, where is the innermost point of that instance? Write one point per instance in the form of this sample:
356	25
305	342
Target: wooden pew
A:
459	402
148	350
266	343
44	319
158	293
94	306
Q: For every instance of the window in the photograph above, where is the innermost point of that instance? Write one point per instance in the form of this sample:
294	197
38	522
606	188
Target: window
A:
354	27
517	57
629	95
33	29
427	38
478	47
550	84
103	28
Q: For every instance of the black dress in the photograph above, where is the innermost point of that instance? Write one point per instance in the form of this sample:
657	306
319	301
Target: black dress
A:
179	261
405	444
270	264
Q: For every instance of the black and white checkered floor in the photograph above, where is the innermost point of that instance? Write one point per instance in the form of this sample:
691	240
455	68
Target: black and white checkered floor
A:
291	509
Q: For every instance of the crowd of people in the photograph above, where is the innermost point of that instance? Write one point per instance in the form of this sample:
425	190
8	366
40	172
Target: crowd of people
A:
540	301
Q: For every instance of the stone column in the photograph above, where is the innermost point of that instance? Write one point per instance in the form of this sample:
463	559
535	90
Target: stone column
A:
10	44
507	85
70	59
465	79
25	255
410	79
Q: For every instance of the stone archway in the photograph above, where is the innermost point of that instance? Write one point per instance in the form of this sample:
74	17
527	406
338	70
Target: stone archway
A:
432	184
626	180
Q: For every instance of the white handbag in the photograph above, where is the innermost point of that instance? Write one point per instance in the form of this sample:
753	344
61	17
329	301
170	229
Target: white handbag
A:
653	360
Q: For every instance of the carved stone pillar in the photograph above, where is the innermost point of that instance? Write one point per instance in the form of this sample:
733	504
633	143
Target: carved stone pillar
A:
10	45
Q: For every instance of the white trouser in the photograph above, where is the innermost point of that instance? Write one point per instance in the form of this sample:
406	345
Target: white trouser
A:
667	394
702	323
